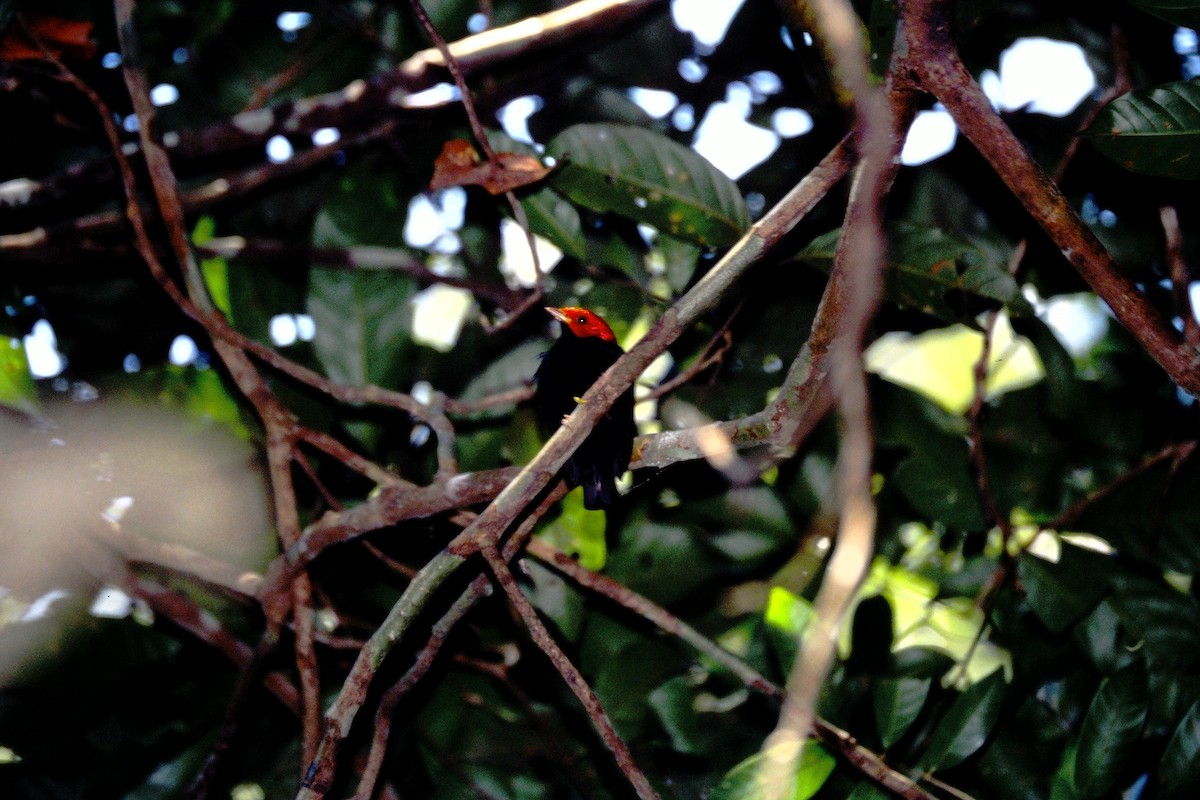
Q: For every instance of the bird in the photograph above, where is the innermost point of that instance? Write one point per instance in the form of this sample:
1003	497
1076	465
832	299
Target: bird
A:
584	350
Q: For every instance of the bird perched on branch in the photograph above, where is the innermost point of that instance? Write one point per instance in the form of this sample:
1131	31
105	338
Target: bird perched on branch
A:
584	350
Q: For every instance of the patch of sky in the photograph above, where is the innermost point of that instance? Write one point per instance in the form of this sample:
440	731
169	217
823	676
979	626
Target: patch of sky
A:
1020	83
325	136
791	122
1023	82
164	94
1187	45
655	102
684	117
293	21
287	329
692	70
41	351
434	219
764	83
1093	214
707	20
279	149
931	135
728	140
514	116
477	23
1079	321
183	351
516	260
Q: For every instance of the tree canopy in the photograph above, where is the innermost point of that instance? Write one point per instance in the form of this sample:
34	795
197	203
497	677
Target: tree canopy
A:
914	507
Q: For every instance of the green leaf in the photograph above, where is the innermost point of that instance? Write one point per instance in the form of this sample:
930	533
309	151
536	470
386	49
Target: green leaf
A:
362	325
936	476
967	724
1062	593
506	372
934	272
1153	131
557	599
1180	766
17	390
207	398
1165	620
1063	785
1181	12
553	218
665	562
898	701
215	270
673	704
742	782
866	790
578	532
549	214
649	178
1111	730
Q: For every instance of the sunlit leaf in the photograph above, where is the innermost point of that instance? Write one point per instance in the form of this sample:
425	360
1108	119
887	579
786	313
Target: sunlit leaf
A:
743	782
578	532
215	270
940	363
17	390
1111	730
647	177
788	612
1153	131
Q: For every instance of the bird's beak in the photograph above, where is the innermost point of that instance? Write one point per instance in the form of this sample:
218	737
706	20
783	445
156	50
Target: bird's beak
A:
558	314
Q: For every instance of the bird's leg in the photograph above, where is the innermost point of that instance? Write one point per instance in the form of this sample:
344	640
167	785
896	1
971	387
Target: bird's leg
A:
579	401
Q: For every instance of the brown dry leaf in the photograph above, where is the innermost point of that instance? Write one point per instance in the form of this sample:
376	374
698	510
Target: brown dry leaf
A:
459	165
59	36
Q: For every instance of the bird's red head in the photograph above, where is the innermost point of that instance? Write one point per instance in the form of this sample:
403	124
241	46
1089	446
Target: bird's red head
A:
582	323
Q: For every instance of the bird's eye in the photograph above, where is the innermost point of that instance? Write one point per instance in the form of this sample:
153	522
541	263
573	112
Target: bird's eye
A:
582	320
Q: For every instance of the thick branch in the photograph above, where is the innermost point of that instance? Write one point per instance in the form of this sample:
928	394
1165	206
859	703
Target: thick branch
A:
932	53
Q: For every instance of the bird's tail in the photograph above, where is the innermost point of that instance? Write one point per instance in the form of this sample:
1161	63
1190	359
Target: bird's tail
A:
599	490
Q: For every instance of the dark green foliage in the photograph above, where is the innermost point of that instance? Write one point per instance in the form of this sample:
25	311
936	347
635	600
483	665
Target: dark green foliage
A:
1063	663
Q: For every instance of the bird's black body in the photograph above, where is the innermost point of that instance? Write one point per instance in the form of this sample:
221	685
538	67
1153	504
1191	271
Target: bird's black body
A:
568	369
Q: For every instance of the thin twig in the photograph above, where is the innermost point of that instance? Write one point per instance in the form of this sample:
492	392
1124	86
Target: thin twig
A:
1181	274
858	270
570	673
480	135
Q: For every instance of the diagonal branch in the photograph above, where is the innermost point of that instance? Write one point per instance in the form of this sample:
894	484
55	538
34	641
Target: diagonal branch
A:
857	285
934	58
570	673
531	481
